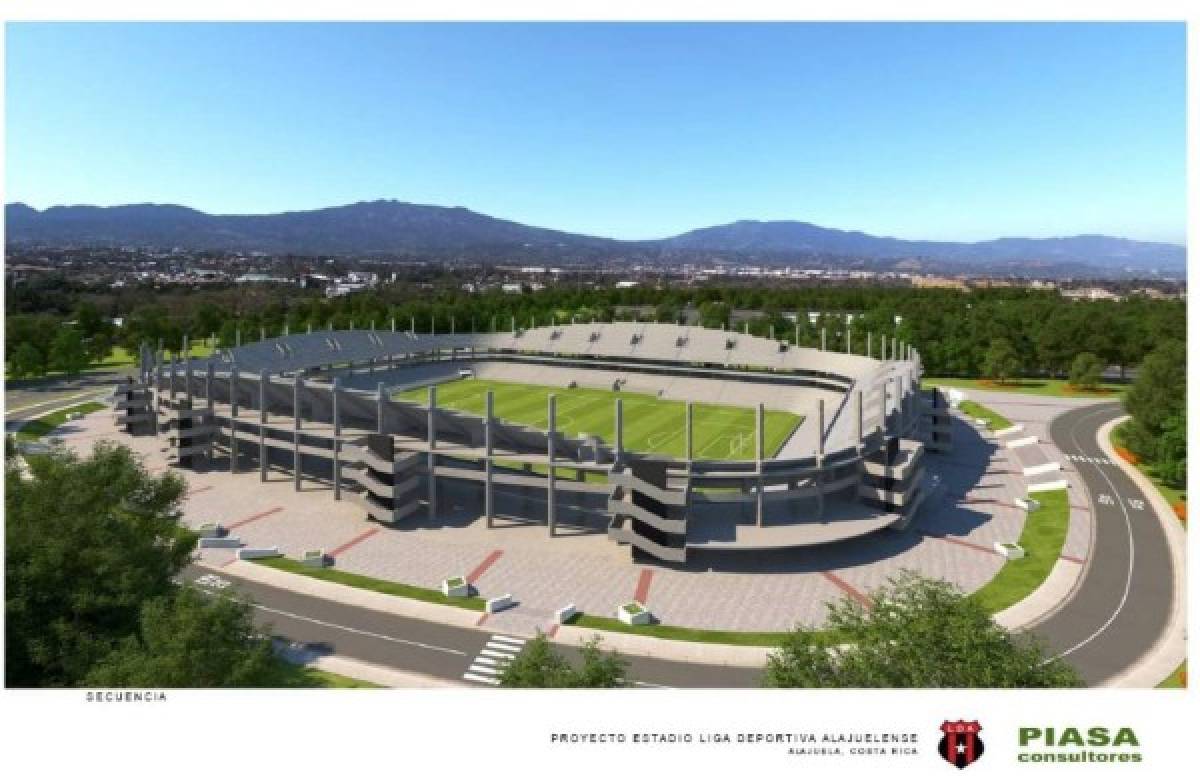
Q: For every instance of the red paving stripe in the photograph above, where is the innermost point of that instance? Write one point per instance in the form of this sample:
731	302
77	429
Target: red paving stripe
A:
200	490
847	588
481	620
255	516
642	591
553	630
362	537
229	562
1072	558
482	568
960	542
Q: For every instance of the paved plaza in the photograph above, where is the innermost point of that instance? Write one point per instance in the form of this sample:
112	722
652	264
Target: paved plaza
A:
970	506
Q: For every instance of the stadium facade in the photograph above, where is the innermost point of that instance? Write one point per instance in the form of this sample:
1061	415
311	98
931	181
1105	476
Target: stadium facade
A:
319	405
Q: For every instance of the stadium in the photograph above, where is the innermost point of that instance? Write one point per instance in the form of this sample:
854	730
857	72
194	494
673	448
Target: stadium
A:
669	439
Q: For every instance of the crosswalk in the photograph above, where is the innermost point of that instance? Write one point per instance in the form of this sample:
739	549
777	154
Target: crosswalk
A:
493	659
1089	459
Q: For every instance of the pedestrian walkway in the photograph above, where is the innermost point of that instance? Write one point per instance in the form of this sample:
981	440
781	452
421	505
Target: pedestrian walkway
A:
1089	459
493	659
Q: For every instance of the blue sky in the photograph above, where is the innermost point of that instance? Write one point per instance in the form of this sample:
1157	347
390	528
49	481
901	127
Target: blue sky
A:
942	131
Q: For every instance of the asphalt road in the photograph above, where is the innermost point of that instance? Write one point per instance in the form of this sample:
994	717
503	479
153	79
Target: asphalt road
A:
409	644
1124	600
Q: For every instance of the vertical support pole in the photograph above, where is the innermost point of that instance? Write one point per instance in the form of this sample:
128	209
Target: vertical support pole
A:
868	344
822	338
208	383
687	435
337	439
264	379
797	329
296	432
233	416
393	324
883	407
758	464
858	419
551	521
489	509
432	447
618	433
899	402
847	338
820	478
412	324
174	375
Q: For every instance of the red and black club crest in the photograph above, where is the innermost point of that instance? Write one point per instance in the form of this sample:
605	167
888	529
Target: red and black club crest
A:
961	745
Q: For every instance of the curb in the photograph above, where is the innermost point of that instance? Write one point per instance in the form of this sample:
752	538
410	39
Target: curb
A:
667	649
361	669
1161	660
627	643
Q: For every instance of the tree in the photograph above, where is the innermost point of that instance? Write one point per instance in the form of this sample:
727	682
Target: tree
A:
68	353
27	361
1085	371
916	632
87	541
540	665
1158	394
191	640
1001	362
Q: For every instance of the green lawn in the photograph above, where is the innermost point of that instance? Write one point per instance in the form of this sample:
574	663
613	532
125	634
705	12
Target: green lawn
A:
652	425
1037	386
292	676
677	633
1176	680
36	429
370	583
996	421
1043	536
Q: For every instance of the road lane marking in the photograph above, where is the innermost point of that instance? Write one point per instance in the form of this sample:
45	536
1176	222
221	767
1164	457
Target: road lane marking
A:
1129	568
349	629
24	407
493	659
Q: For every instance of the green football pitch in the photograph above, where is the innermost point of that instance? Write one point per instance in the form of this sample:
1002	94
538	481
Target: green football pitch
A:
652	425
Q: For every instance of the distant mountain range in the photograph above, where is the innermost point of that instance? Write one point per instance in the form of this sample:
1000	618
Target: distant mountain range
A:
392	228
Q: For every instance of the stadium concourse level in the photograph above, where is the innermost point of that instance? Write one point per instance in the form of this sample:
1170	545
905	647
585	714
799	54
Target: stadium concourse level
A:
321	405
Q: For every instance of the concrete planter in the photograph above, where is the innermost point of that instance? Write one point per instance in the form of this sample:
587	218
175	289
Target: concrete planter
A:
565	613
456	587
210	530
315	559
219	542
499	603
1009	550
633	613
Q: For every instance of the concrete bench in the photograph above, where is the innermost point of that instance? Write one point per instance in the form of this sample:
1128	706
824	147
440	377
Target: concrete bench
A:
1022	442
499	603
251	553
1041	487
226	542
1015	428
1041	468
565	613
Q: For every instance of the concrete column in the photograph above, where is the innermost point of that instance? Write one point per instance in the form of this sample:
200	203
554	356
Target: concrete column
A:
618	433
868	344
488	422
337	439
432	446
883	407
797	329
296	387
393	323
758	464
233	414
187	382
380	398
174	375
899	401
687	434
847	339
551	425
264	379
858	418
208	383
822	339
